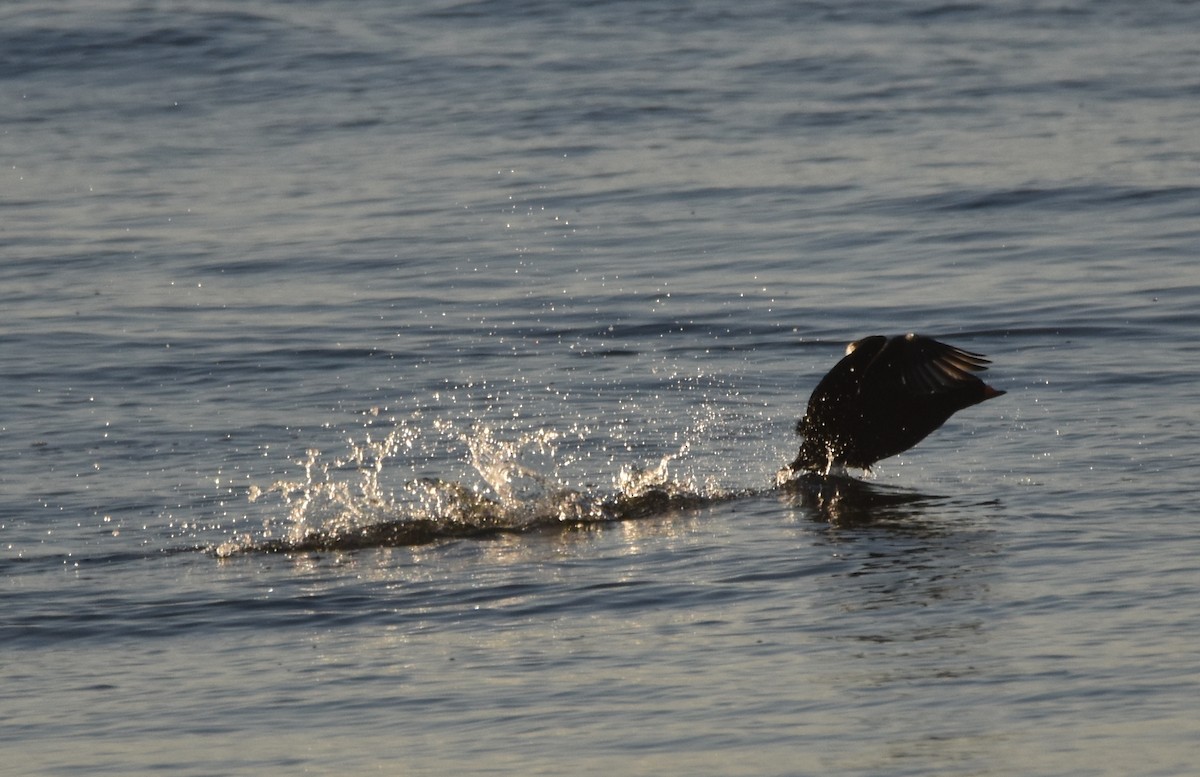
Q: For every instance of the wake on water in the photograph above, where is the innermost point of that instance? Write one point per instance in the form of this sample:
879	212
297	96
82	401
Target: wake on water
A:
345	504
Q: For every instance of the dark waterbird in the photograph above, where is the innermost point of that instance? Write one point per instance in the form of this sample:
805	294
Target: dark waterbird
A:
885	396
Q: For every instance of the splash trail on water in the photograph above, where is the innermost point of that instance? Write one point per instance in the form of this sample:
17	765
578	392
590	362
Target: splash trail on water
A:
346	503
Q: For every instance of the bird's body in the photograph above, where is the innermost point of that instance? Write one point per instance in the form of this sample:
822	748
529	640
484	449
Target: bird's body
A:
885	396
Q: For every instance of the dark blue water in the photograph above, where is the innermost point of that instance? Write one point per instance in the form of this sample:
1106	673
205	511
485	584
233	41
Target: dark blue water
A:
461	289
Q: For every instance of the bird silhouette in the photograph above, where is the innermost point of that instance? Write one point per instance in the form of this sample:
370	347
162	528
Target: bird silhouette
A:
885	396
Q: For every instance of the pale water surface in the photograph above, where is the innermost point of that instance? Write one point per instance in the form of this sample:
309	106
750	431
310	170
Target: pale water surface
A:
400	388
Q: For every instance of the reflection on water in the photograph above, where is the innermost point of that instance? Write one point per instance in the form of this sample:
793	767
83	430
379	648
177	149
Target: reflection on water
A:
845	501
898	547
905	606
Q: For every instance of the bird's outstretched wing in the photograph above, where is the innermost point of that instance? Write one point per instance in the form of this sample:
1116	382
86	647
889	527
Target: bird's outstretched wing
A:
917	365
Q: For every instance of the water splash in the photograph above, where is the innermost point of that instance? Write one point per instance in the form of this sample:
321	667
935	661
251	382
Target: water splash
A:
520	483
519	487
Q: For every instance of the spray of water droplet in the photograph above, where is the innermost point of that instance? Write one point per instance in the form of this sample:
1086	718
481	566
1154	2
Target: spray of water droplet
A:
378	492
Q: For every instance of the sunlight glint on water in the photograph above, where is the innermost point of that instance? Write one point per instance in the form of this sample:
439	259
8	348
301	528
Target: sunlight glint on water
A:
520	486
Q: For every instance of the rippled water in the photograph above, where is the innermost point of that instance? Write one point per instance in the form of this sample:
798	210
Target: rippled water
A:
403	388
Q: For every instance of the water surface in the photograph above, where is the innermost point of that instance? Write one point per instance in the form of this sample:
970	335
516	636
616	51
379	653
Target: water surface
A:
308	270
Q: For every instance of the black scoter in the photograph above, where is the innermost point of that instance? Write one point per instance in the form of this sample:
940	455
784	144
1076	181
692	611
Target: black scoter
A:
885	396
